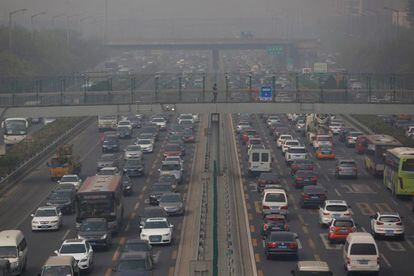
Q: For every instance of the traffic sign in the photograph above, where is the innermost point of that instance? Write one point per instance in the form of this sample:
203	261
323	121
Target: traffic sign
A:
276	50
266	93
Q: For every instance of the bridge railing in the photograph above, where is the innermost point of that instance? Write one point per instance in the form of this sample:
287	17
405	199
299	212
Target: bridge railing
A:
105	88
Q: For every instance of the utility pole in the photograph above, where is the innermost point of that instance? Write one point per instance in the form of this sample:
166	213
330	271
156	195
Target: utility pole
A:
32	22
11	26
54	18
106	22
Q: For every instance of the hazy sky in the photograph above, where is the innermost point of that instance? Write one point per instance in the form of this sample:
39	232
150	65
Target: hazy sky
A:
166	8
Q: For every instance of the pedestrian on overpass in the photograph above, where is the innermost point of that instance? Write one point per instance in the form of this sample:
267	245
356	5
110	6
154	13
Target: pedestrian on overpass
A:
215	93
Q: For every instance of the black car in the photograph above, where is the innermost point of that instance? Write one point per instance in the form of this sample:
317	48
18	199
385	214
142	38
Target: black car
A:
343	133
157	190
152	212
110	144
305	177
107	160
96	232
281	244
267	178
127	188
133	167
170	179
313	196
273	222
135	121
64	199
304	164
124	132
134	263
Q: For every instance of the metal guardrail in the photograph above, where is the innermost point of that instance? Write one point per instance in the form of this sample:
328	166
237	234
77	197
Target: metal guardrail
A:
22	169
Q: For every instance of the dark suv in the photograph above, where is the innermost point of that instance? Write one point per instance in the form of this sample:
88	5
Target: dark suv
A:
110	144
63	198
96	232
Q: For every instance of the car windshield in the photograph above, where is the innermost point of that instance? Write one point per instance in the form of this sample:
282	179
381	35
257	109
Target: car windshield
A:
158	120
186	117
109	142
389	219
287	237
106	172
172	148
72	248
170	167
46	213
275	197
255	141
144	142
285	137
60	195
136	246
363	249
296	150
343	223
153	213
132	162
304	174
124	123
133	148
347	164
93	226
69	179
313	273
408	165
336	208
170	198
144	136
324	138
132	265
8	252
57	270
156	224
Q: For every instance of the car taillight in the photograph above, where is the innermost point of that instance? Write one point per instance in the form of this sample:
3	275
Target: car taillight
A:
306	197
347	214
286	227
293	245
325	214
265	207
354	229
265	227
332	229
378	260
271	245
314	178
398	223
299	178
348	260
380	223
284	207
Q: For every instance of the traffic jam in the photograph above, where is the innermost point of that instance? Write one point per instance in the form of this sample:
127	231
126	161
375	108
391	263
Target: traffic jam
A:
321	193
122	217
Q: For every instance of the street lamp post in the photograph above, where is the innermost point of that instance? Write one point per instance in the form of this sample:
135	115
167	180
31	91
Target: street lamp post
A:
392	19
81	21
250	86
32	17
68	17
54	18
10	26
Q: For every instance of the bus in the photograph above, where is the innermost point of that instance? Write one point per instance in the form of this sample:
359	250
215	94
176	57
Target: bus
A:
377	145
15	130
100	196
399	171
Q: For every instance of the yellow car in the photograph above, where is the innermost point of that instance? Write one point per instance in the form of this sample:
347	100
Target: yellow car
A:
325	153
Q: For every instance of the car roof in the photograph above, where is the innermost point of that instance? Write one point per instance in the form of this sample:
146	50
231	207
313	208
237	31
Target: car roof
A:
60	260
133	255
94	220
82	241
70	175
336	202
47	208
268	191
394	214
156	219
362	237
313	266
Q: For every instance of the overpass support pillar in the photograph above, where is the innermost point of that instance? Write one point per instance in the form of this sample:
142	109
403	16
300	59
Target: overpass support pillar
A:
216	59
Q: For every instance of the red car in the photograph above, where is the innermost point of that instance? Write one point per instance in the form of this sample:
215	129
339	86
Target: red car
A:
173	150
249	133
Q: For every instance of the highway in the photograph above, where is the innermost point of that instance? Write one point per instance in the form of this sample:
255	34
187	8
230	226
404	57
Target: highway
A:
365	195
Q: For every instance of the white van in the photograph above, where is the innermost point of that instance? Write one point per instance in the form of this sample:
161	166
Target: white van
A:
275	202
360	253
13	247
260	160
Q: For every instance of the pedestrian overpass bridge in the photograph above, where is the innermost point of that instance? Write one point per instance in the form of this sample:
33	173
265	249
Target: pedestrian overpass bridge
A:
125	102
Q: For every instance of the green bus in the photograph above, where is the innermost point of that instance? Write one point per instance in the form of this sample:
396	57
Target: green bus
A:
399	171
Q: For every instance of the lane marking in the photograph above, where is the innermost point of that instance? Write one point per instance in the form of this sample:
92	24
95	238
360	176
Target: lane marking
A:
127	226
66	234
365	208
136	206
257	257
254	242
395	246
385	260
144	188
252	228
174	254
383	207
305	229
337	192
311	244
302	221
327	244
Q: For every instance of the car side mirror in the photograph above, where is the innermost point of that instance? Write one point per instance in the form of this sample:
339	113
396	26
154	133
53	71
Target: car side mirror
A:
140	227
159	170
171	226
32	215
20	253
56	252
60	213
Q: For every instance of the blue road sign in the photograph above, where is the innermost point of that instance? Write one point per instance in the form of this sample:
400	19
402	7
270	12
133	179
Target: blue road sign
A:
266	93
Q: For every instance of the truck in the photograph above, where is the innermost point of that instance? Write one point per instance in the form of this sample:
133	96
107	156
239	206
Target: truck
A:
316	124
107	122
63	162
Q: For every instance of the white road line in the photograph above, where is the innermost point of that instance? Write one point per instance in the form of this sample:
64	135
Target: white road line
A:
337	192
318	165
326	177
363	229
394	201
299	244
385	260
66	235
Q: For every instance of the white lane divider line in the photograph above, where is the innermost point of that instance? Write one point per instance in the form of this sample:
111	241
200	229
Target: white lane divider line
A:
385	260
66	235
395	246
337	192
327	244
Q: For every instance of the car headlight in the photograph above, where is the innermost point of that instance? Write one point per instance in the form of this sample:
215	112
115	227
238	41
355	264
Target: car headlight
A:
166	235
35	222
104	237
54	221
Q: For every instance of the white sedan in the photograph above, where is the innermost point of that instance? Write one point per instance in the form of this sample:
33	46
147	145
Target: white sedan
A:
80	250
387	224
46	218
73	179
146	145
157	231
133	151
125	123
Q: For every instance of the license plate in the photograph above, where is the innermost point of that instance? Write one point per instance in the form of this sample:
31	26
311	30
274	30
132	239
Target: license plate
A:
389	232
283	246
274	208
343	231
314	197
363	262
336	215
44	226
